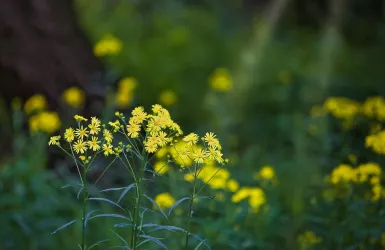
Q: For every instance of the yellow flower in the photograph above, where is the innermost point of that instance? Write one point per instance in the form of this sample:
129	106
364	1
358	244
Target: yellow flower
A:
80	146
156	108
161	152
81	132
82	157
69	135
267	173
168	98
364	171
48	122
257	199
54	140
210	139
74	97
232	185
161	167
94	126
79	118
164	200
181	154
215	154
107	135
151	144
189	177
374	107
108	45
133	130
127	85
342	174
35	103
115	125
376	142
199	156
94	143
191	139
107	148
341	107
221	80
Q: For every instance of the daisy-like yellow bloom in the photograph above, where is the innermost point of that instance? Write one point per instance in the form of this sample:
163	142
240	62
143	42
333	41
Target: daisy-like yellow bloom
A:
164	200
161	167
191	139
54	140
108	135
199	156
156	108
79	118
94	143
162	139
35	103
154	125
133	130
115	125
151	144
94	126
215	155
81	132
74	97
69	135
180	152
80	146
210	139
107	148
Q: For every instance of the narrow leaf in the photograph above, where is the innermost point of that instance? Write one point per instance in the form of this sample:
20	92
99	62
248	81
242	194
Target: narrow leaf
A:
121	238
79	192
106	200
200	244
123	225
168	228
112	189
155	240
89	214
156	204
128	188
97	244
64	226
201	240
204	197
176	204
110	215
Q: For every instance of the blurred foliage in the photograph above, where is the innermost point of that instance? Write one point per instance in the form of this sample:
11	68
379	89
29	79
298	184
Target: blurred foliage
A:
278	119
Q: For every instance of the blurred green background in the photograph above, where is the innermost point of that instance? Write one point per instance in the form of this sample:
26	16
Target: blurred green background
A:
255	73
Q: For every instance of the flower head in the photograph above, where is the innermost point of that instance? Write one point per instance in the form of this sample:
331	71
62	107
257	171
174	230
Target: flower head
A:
74	97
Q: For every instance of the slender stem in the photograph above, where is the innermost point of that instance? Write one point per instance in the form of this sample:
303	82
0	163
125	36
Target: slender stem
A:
84	207
191	206
137	207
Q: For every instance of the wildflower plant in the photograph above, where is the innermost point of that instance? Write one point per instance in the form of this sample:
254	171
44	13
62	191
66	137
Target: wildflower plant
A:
133	142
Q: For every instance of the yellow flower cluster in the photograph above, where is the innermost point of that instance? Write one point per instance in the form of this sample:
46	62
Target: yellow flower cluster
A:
367	172
215	177
108	45
342	107
221	80
376	142
308	239
256	197
374	107
164	200
125	93
41	120
74	97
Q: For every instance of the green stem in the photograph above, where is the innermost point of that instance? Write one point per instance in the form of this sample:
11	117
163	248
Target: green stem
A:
134	232
84	207
190	207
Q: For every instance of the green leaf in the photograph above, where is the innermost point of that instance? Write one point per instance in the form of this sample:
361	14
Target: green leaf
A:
97	243
155	240
109	215
156	204
123	225
112	189
107	200
176	204
64	226
128	188
121	238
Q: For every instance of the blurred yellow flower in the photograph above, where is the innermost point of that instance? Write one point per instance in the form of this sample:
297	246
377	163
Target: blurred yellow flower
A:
164	200
108	45
267	173
161	167
125	94
162	152
168	98
256	197
232	185
374	107
364	171
341	107
48	122
35	103
308	239
74	97
376	142
221	80
342	174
